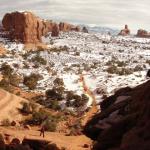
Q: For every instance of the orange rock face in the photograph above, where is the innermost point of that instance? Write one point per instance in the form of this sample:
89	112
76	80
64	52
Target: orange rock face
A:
143	33
65	27
25	27
125	31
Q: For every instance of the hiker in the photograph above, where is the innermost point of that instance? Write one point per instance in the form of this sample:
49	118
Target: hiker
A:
42	131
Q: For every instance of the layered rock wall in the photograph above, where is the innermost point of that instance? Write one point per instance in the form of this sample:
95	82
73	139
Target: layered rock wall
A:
25	27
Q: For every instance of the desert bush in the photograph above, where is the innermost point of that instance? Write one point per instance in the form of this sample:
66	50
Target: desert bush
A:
74	100
112	69
121	63
138	68
120	71
15	79
54	94
45	119
54	104
148	62
31	81
6	70
4	83
58	82
26	108
5	122
39	60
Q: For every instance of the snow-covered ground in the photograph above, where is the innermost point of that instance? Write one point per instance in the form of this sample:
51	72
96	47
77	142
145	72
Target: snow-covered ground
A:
88	54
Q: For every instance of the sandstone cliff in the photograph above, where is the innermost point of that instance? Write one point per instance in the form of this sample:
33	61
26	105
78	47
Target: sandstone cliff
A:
124	121
25	27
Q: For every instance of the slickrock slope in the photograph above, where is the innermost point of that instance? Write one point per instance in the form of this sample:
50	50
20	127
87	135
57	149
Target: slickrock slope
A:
28	28
125	31
124	121
143	33
9	106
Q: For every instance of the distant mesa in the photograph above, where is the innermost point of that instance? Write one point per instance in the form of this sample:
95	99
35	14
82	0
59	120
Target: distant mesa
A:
125	31
26	27
143	33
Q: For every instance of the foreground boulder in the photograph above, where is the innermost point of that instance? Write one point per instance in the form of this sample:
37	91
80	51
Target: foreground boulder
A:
143	33
124	121
125	31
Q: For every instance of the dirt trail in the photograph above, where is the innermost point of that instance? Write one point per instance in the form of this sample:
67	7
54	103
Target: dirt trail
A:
94	108
69	142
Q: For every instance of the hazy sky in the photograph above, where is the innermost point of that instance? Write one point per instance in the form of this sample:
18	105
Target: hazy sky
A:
110	13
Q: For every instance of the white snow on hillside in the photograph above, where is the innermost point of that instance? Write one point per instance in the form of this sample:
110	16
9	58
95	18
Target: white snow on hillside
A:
89	54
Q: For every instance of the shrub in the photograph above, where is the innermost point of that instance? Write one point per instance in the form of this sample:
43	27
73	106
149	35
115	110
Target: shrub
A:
138	68
54	104
39	60
6	70
5	122
45	119
15	80
31	81
54	94
26	108
50	125
4	83
58	82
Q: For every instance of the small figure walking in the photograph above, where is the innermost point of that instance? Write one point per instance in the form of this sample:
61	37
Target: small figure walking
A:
42	131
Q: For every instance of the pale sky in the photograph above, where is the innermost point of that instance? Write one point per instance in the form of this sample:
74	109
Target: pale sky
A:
109	13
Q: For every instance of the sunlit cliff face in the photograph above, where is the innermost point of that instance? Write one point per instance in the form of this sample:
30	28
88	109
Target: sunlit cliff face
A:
111	13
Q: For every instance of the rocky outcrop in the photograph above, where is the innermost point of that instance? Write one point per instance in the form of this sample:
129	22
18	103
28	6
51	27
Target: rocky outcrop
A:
123	123
85	30
143	33
125	31
55	31
25	27
65	27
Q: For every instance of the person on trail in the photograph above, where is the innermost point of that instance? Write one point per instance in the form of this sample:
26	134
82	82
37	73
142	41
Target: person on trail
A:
42	131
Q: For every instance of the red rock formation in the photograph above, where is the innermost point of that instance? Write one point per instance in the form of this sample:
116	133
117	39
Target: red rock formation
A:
143	33
124	120
25	27
55	31
125	31
28	28
65	27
